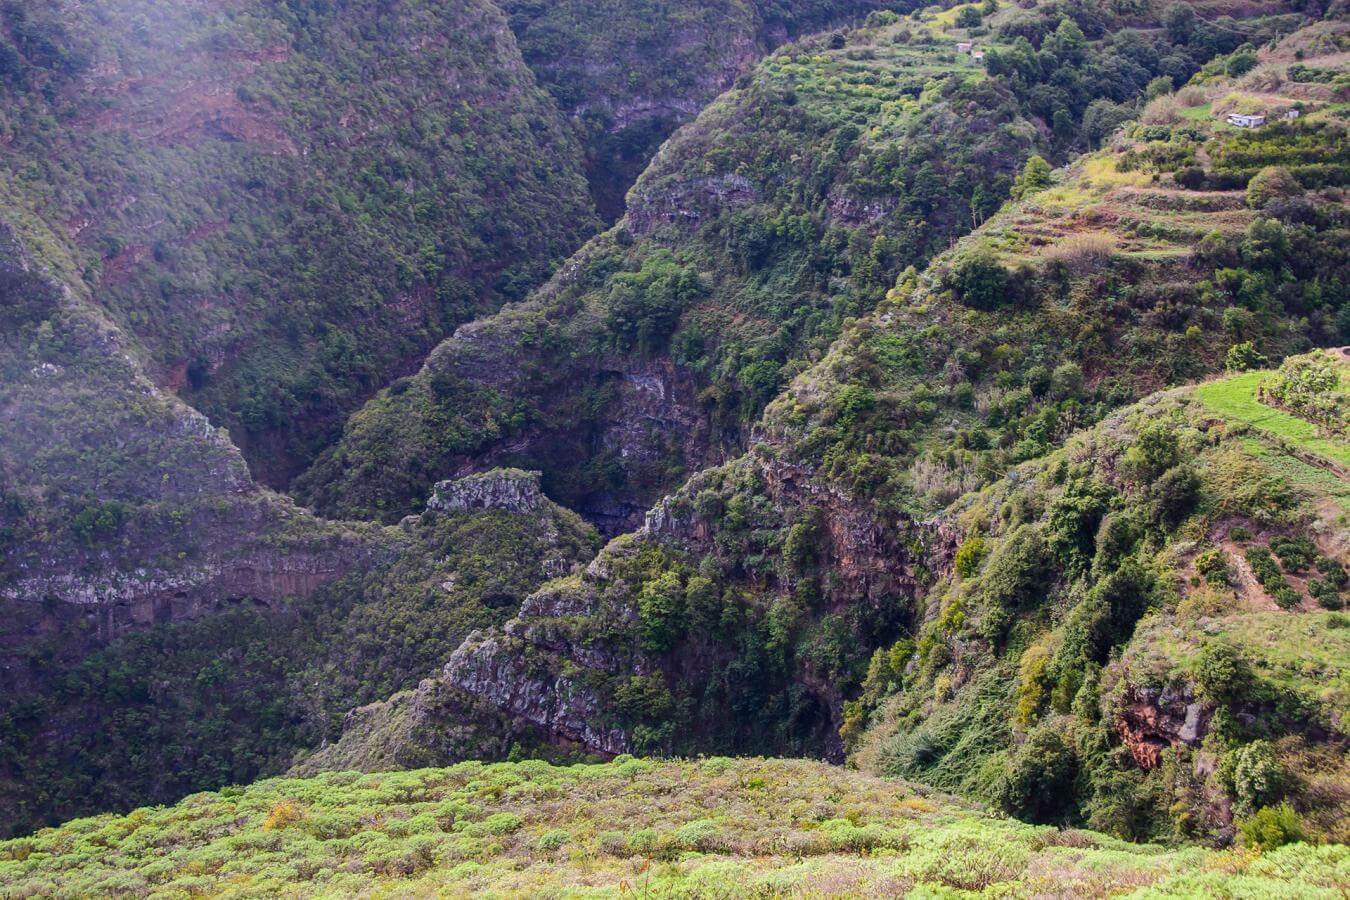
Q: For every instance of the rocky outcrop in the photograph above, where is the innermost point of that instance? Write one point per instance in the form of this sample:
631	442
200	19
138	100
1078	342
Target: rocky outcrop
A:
1150	720
687	203
512	490
493	671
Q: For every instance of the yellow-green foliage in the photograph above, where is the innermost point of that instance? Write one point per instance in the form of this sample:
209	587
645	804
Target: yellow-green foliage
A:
715	827
1236	399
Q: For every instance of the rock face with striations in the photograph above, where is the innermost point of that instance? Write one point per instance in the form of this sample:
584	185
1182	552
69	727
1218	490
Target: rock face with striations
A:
513	490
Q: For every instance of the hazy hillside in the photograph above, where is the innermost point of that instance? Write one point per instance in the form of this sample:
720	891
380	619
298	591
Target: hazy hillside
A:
286	207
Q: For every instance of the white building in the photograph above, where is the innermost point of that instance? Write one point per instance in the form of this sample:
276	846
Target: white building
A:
964	47
1244	121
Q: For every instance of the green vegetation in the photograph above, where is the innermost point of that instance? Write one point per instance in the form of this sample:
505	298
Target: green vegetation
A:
1083	591
952	520
1238	399
1313	387
711	827
236	694
290	205
787	208
821	559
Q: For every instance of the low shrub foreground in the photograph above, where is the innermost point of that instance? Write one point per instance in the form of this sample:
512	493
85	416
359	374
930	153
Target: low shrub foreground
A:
712	827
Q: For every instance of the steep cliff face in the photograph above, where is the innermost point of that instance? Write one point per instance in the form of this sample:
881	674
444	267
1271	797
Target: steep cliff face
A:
123	507
283	209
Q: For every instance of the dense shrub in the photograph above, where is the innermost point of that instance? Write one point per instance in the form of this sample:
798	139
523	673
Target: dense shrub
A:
1222	673
1271	827
1296	554
661	612
1254	775
1213	566
1038	782
969	556
980	280
1272	184
1243	357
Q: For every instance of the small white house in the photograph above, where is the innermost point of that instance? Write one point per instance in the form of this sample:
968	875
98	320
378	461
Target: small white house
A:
964	47
977	54
1244	121
1291	114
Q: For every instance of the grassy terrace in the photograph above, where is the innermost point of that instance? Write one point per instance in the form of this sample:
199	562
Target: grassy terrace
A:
715	827
1235	399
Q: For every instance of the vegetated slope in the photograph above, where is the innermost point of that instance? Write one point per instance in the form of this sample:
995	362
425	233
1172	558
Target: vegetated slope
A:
208	186
183	705
286	207
121	506
1138	632
629	72
708	828
786	208
744	614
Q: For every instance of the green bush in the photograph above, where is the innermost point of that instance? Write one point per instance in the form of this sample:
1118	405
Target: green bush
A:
1241	63
1267	571
1153	452
1296	553
1173	495
1243	357
980	280
552	840
1263	565
1213	566
969	556
1272	827
1271	184
1038	782
1333	571
1223	674
1035	177
1254	774
661	612
501	823
1018	572
1326	594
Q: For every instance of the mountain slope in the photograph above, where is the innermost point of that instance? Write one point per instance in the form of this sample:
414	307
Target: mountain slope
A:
711	827
1114	642
627	73
786	208
950	547
287	208
743	615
